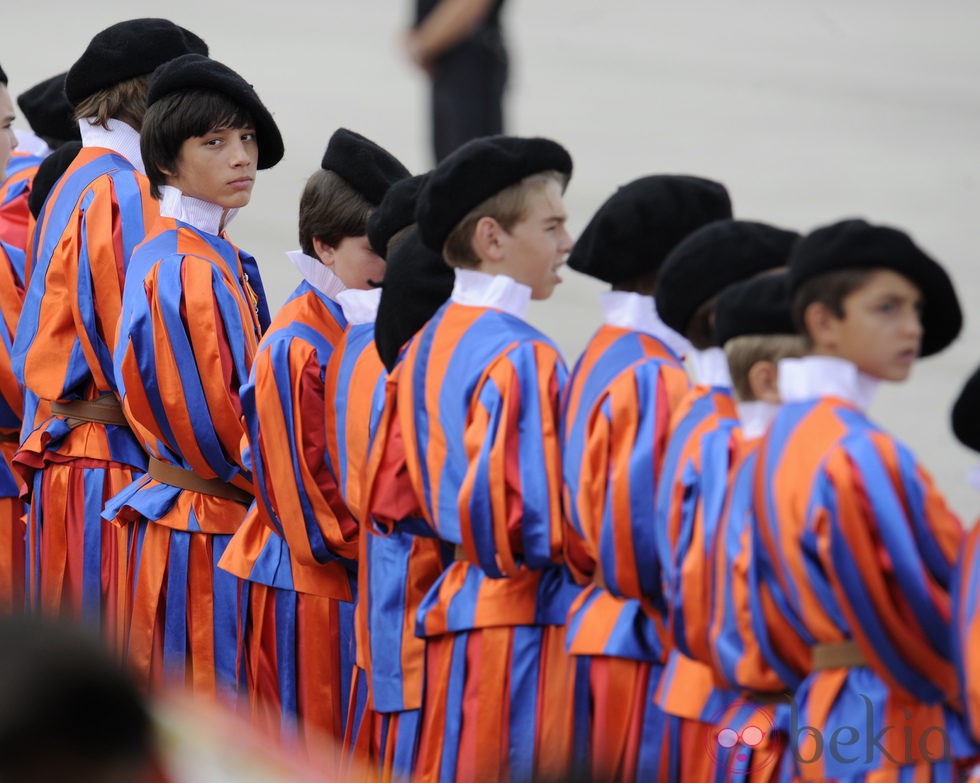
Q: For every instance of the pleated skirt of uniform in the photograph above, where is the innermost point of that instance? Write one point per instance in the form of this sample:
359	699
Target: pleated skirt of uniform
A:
498	706
76	561
13	542
299	659
379	747
183	631
627	737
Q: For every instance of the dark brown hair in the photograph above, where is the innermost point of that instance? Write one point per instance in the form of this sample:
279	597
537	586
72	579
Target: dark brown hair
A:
330	209
180	116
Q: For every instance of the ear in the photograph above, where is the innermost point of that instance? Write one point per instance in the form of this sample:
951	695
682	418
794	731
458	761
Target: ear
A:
488	240
763	380
822	326
324	252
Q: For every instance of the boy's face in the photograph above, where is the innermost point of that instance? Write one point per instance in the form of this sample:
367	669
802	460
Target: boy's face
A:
218	167
881	331
353	261
536	247
8	140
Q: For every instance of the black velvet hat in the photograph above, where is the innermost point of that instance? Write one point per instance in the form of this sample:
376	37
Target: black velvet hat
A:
856	244
197	72
366	167
638	225
127	50
477	170
712	258
48	174
48	111
417	283
965	415
395	212
759	306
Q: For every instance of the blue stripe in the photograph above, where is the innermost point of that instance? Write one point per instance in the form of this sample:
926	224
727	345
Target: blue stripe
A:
175	628
454	709
286	658
525	672
227	589
94	483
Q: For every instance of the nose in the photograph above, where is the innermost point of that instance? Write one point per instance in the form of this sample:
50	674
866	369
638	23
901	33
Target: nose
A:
913	324
565	240
240	154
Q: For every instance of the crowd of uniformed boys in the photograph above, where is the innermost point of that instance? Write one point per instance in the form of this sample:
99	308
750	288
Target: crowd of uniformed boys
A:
394	528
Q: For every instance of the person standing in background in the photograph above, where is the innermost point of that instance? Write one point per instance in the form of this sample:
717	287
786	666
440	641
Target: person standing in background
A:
460	46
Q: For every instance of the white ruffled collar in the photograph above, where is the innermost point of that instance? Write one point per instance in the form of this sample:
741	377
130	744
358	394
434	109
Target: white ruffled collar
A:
638	313
317	274
710	367
118	137
28	141
478	289
756	417
825	376
360	306
205	216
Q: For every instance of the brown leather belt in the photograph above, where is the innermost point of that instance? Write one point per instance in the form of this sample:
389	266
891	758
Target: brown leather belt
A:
102	410
166	473
838	655
769	698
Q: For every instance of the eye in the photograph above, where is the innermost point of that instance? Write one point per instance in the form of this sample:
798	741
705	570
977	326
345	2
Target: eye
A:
249	136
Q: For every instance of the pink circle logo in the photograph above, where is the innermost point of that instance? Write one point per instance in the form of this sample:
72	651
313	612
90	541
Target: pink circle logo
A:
743	738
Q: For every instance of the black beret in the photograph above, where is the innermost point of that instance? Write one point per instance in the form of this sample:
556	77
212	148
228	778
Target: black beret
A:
395	212
48	111
3	77
364	165
197	72
638	225
417	282
127	50
759	306
965	415
477	170
48	174
856	244
709	260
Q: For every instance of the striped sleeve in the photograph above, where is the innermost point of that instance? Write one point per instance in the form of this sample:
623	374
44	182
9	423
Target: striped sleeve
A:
297	487
509	500
887	541
189	348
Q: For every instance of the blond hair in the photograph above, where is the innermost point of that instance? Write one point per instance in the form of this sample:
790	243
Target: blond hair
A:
124	101
508	207
746	351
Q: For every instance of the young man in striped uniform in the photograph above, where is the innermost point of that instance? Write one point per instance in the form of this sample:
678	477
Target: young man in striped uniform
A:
475	425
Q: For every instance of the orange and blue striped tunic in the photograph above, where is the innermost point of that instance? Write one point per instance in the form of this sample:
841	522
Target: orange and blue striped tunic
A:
13	532
966	625
14	190
855	545
475	425
296	548
615	414
193	312
395	570
92	220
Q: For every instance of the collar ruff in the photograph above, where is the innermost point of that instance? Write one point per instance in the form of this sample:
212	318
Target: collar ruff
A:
478	289
360	306
118	137
203	215
825	376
